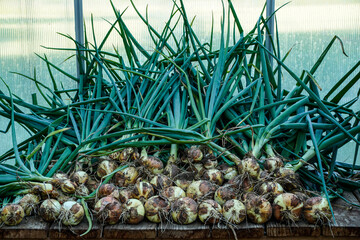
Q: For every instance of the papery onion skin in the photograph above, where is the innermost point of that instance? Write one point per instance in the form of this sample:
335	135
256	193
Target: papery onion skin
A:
317	210
134	211
106	190
223	194
80	177
173	193
234	211
72	213
105	168
249	166
126	177
270	190
157	209
50	210
287	207
209	211
108	210
125	194
200	190
273	163
214	176
184	210
143	190
68	186
161	181
30	203
194	154
228	172
258	210
12	214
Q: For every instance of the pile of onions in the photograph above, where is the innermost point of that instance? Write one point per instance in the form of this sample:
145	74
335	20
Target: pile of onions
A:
287	207
72	213
12	214
184	210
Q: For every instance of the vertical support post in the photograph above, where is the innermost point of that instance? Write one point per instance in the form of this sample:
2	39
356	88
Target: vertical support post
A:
79	33
270	9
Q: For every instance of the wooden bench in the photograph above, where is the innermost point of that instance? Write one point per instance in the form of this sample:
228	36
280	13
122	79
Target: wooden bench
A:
347	227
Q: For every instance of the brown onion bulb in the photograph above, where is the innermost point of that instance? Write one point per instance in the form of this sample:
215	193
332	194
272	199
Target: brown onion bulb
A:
143	191
125	194
194	154
134	211
157	209
68	186
126	177
12	214
108	210
80	177
223	194
214	176
228	172
50	210
30	203
273	163
171	170
210	163
200	190
126	154
258	210
161	181
250	167
72	213
106	190
172	193
287	207
184	210
234	211
153	164
209	212
270	190
287	178
105	168
317	210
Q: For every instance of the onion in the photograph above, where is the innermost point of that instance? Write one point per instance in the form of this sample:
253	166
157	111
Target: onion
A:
80	177
200	190
249	166
270	190
234	211
60	196
223	194
214	176
287	207
273	163
108	210
44	189
228	172
92	185
106	190
184	210
143	191
134	211
29	203
287	178
210	163
172	193
153	164
161	181
82	190
12	214
171	170
126	154
126	177
242	182
209	212
72	213
317	210
198	169
247	196
105	167
68	186
125	194
258	210
50	210
194	154
157	208
58	178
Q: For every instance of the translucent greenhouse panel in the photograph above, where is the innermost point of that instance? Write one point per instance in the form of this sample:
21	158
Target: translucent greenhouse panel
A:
24	27
308	27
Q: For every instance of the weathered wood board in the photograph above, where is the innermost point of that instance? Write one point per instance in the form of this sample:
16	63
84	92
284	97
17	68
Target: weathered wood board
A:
57	231
191	231
143	230
243	230
30	227
347	219
274	229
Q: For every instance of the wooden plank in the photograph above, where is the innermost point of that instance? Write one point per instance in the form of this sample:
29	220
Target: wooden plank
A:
58	231
32	227
243	230
347	219
192	231
275	229
143	230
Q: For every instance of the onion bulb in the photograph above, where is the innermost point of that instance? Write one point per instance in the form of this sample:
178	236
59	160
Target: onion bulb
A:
317	210
258	210
153	164
171	170
126	177
134	211
105	167
250	167
157	209
270	190
126	154
72	213
234	211
209	211
68	186
210	163
228	172
106	190
80	177
172	193
12	214
287	178
287	207
200	190
161	181
184	210
108	210
214	176
125	194
273	163
50	210
143	191
194	154
29	203
223	194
